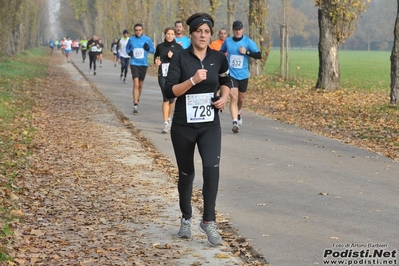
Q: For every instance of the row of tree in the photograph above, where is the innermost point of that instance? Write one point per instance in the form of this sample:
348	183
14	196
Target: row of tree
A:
373	30
24	23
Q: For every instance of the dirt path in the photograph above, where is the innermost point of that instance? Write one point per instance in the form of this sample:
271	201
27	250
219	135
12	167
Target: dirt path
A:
96	194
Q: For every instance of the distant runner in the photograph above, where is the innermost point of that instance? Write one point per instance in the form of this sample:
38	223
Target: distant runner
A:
162	57
124	57
68	48
93	46
100	51
114	50
239	49
138	47
51	44
180	38
83	48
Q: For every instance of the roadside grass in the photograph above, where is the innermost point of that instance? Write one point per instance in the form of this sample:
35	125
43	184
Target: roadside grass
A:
19	75
359	113
367	70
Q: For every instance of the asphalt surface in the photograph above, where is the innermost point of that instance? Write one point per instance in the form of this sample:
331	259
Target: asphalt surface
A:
301	198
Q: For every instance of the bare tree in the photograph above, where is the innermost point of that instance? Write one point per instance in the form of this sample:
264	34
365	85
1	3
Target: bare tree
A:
395	62
337	20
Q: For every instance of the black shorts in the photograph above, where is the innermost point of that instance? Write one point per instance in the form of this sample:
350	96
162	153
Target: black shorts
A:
242	85
138	71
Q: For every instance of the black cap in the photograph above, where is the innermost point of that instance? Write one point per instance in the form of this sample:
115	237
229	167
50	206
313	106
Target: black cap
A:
237	25
125	32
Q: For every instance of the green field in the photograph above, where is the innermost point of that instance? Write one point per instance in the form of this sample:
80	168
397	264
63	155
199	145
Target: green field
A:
359	69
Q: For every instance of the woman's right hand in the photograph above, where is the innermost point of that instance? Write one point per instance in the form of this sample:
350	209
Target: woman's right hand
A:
200	75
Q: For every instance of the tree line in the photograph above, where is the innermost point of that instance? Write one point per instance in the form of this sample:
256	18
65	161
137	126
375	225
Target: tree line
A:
374	28
22	25
27	23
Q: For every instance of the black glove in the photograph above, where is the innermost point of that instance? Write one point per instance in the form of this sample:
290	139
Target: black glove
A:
146	47
130	53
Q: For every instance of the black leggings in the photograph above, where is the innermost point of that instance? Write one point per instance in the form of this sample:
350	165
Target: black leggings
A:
208	141
93	59
84	54
125	62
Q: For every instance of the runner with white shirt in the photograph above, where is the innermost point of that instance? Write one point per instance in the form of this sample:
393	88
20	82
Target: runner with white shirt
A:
68	48
124	57
100	51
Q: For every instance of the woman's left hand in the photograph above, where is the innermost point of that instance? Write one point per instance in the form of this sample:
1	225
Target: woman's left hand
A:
220	104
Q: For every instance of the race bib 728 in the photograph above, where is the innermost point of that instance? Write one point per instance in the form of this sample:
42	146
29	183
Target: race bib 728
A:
199	108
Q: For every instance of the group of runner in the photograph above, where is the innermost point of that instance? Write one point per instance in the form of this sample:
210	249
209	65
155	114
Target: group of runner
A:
196	77
133	51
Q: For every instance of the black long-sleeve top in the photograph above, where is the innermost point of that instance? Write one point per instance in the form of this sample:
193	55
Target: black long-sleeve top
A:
90	44
162	51
184	64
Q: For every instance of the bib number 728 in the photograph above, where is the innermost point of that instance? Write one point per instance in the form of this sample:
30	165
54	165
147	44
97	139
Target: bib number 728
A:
202	110
199	108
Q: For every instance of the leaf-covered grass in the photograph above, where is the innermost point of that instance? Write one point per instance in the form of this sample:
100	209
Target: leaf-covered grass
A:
359	69
18	76
362	117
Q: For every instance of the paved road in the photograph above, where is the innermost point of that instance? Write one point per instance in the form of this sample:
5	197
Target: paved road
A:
295	194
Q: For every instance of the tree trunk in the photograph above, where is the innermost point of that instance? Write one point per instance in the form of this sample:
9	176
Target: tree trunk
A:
282	41
329	74
287	57
230	15
395	62
258	33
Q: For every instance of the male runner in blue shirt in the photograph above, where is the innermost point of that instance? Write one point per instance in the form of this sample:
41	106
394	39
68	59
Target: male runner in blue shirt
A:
239	48
138	47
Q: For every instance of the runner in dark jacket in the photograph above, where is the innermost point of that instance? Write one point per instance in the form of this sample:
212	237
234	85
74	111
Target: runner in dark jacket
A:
194	77
163	54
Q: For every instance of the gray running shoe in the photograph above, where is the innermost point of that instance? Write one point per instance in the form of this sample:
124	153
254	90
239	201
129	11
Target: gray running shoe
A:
236	127
136	109
239	120
124	81
170	122
211	231
121	77
94	73
185	228
165	127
